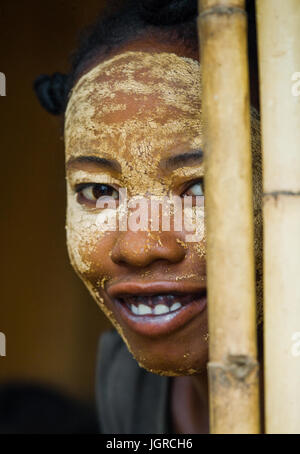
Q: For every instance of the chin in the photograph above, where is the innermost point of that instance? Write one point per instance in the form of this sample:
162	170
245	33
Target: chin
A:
171	358
174	370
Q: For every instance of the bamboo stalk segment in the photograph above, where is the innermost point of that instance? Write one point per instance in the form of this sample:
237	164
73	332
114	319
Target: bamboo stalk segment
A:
279	59
233	367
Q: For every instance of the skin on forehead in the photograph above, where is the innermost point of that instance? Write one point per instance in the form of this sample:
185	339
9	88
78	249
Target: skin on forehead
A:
136	107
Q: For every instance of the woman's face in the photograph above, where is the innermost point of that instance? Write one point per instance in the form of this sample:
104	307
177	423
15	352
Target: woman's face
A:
133	123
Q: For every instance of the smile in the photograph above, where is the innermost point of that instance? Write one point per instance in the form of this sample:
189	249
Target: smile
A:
157	304
154	309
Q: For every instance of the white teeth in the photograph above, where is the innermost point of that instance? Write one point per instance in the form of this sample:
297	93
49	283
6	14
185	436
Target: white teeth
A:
134	309
175	306
143	309
161	309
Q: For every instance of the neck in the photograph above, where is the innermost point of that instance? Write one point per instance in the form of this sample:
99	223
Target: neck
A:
190	404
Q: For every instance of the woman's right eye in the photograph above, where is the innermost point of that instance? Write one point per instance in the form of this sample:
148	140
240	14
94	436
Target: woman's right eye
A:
91	193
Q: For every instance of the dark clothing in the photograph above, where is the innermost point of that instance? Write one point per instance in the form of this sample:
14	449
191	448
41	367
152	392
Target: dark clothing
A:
33	408
130	400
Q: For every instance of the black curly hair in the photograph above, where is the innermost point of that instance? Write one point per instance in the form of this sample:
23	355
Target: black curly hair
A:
174	20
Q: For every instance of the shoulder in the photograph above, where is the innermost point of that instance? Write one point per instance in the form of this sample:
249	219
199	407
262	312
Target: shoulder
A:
129	399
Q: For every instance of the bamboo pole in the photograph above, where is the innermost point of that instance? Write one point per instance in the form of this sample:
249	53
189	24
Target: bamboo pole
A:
279	59
233	367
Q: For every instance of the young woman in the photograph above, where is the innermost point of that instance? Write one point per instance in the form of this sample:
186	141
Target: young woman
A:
133	129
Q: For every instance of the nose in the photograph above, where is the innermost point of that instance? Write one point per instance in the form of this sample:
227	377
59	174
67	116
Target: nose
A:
141	249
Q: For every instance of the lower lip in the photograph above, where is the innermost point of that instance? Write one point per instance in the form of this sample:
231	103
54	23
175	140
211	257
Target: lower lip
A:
157	325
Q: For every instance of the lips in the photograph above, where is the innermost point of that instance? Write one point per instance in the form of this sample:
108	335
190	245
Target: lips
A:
157	308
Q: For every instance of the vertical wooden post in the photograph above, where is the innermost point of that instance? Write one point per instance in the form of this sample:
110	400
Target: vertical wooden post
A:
233	367
279	61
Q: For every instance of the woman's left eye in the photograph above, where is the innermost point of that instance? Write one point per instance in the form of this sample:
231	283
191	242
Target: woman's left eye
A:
89	193
196	189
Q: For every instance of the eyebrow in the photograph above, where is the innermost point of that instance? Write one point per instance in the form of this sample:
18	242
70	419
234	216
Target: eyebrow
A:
111	164
182	160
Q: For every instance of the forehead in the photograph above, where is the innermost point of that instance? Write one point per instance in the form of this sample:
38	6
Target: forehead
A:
135	102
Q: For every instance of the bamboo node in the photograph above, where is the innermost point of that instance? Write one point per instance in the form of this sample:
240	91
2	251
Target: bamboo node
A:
222	10
240	366
236	368
276	194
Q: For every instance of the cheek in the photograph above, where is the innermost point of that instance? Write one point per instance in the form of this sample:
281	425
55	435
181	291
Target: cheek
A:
89	246
195	234
88	242
80	242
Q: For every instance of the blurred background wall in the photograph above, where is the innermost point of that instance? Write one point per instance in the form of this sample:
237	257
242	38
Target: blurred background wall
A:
51	323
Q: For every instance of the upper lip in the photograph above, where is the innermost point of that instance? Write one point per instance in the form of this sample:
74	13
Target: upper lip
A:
123	289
